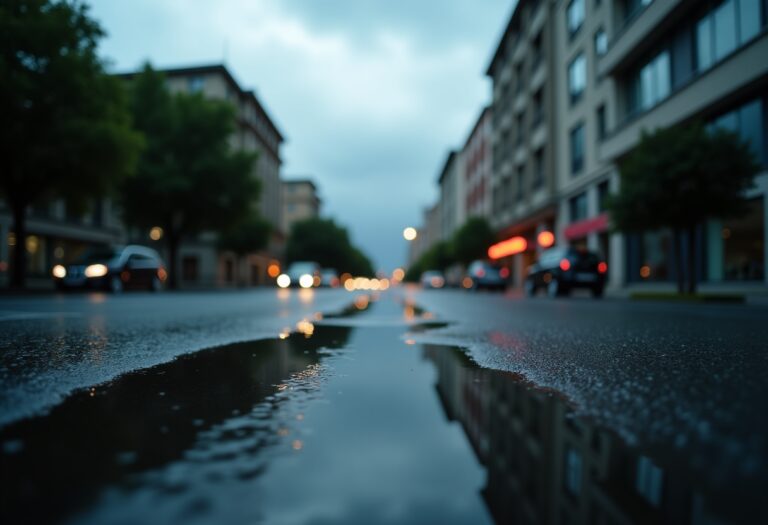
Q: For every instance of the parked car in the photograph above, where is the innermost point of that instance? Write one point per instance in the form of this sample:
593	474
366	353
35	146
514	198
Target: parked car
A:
305	274
329	278
114	269
484	274
560	270
432	279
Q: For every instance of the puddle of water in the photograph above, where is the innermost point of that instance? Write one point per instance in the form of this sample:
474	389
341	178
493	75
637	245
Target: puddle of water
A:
338	425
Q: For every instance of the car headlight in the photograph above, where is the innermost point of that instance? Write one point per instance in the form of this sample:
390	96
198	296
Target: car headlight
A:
96	270
306	281
59	271
283	281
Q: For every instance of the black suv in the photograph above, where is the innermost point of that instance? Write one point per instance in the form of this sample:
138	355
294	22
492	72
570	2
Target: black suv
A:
560	270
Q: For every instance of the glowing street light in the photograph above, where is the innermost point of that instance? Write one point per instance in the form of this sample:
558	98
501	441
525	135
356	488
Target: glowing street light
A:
410	234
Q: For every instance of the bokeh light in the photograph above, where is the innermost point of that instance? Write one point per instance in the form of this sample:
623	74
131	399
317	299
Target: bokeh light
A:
410	234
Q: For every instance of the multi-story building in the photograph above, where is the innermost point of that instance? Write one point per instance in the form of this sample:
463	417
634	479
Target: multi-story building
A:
671	62
478	164
575	83
300	202
522	70
451	182
200	262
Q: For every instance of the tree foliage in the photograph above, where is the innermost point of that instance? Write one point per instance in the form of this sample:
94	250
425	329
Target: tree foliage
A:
471	241
438	257
328	244
66	129
188	179
248	236
679	177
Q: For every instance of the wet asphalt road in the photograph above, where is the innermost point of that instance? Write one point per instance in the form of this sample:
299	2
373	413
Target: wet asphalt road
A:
516	410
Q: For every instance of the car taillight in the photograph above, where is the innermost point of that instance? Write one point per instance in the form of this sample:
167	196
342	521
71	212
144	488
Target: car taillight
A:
565	265
480	273
602	267
504	272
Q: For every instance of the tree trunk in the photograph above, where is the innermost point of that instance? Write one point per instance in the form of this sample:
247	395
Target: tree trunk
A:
173	254
677	241
19	274
691	259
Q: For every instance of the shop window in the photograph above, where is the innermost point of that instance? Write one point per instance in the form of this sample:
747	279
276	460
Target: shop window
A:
740	245
748	122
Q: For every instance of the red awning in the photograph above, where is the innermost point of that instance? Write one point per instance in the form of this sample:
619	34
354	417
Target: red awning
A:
584	228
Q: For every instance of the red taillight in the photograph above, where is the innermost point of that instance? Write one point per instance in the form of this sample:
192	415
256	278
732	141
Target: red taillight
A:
602	267
480	273
565	265
504	272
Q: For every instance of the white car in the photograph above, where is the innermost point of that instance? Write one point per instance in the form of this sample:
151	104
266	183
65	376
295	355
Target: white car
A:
305	274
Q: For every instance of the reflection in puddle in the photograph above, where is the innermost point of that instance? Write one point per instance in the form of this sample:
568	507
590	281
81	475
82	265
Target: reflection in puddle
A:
335	425
546	466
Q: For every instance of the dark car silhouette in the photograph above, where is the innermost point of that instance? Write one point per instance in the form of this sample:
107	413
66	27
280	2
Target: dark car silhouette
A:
114	269
560	270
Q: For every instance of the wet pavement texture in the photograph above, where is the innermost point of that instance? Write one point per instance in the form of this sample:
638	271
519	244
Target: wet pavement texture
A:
365	417
52	346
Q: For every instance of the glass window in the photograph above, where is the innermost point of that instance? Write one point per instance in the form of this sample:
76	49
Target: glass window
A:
663	80
196	84
655	81
749	19
573	472
575	15
577	77
603	191
725	29
601	126
520	183
577	149
601	42
538	169
578	207
649	481
704	43
751	127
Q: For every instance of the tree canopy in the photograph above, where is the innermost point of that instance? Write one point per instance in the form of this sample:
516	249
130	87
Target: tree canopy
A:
472	239
679	177
188	180
328	244
66	129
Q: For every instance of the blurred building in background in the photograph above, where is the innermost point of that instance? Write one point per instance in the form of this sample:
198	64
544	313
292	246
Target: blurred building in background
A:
575	83
478	167
300	202
451	182
55	235
201	263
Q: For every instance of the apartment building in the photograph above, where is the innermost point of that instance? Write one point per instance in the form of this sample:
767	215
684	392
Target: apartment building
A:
300	202
671	62
575	83
201	263
524	129
451	183
478	167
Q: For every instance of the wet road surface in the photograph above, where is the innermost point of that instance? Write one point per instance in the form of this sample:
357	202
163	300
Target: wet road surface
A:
380	418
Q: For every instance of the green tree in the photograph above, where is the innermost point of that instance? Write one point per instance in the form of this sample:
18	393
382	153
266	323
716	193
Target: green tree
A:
328	244
66	130
188	179
439	257
247	236
679	177
472	240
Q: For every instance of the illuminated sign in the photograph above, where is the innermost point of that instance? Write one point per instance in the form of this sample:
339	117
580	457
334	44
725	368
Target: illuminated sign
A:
506	248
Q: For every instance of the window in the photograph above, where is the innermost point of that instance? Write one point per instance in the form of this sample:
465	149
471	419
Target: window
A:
536	52
520	129
603	191
632	8
577	149
538	169
196	84
538	109
747	121
520	183
601	42
519	78
723	29
573	472
577	207
653	83
575	15
577	77
601	126
649	481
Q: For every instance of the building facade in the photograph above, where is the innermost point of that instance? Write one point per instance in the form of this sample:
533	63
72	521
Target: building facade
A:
200	262
478	167
300	202
451	183
575	84
524	124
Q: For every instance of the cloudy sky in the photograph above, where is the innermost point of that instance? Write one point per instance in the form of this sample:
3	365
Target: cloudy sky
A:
370	94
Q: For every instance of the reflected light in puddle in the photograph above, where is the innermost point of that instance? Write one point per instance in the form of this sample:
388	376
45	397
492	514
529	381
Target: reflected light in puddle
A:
283	294
410	342
297	444
306	328
97	298
361	302
306	295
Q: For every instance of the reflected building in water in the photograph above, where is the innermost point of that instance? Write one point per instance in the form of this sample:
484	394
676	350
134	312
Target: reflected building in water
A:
546	466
